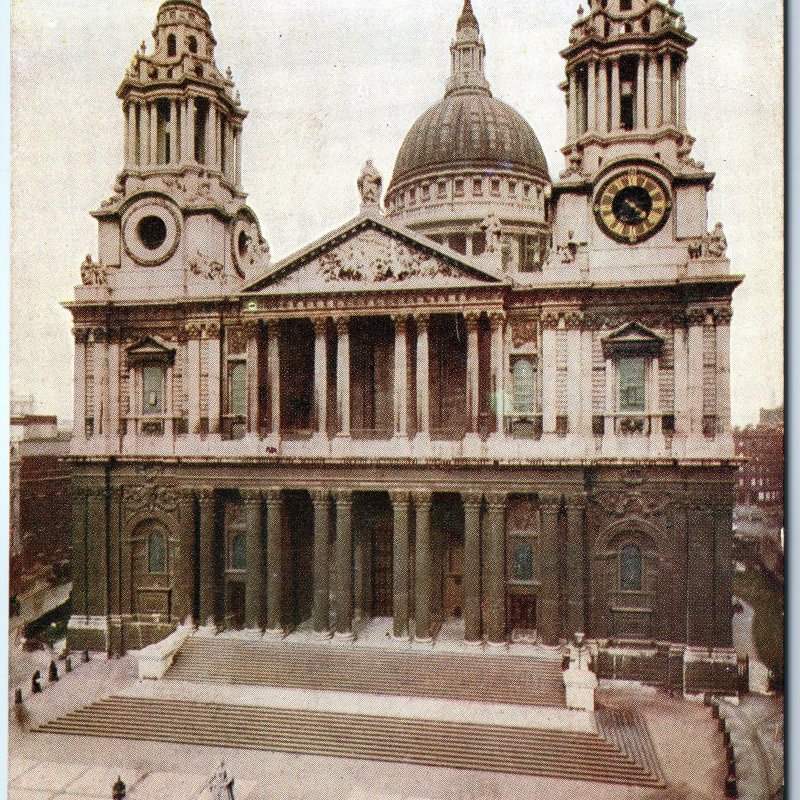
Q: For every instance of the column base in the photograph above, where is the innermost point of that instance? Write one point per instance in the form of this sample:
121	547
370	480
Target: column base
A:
497	645
422	642
322	636
209	629
476	644
274	633
343	637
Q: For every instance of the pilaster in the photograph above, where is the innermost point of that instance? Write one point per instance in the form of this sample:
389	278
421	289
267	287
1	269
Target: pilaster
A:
400	377
320	376
423	376
343	375
548	614
207	556
274	374
576	579
184	559
471	320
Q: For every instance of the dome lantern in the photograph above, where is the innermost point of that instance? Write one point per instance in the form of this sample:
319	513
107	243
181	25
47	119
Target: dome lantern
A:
467	54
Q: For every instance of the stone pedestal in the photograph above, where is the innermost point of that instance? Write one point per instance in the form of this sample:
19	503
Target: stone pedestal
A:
580	685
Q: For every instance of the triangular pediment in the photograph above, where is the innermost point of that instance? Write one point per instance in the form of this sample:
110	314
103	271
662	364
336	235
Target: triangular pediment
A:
370	254
151	348
632	338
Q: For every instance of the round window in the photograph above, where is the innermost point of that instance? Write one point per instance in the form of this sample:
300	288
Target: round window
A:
152	232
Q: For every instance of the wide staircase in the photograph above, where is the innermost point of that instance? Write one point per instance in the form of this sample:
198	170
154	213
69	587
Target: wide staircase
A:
173	710
524	751
372	670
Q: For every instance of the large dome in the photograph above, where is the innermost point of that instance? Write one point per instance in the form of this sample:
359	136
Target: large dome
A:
469	129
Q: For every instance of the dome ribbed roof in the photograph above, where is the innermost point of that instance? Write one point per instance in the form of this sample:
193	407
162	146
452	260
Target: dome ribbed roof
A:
469	129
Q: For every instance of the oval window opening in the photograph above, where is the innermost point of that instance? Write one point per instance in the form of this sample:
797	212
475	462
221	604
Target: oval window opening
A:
152	232
244	241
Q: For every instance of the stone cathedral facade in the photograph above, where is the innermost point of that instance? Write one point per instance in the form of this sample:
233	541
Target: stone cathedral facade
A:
493	400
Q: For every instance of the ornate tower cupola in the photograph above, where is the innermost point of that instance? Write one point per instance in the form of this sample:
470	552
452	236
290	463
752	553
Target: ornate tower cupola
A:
630	198
467	54
180	111
178	204
626	80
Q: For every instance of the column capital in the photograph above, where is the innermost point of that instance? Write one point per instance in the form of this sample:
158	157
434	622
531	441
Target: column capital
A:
272	324
422	318
399	498
576	501
550	501
343	497
422	497
205	496
251	327
471	499
696	316
320	325
723	316
496	501
250	496
471	319
573	320
550	319
496	318
273	496
320	497
399	320
342	325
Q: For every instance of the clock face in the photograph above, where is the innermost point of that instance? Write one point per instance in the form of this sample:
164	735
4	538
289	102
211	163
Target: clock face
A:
631	206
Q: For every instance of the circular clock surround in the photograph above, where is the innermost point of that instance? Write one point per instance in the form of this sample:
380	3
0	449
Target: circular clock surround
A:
151	230
247	244
632	204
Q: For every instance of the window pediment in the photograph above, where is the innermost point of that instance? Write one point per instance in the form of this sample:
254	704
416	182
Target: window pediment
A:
151	349
632	339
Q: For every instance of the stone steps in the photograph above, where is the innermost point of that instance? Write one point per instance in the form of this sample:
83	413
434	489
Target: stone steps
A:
481	678
627	730
525	751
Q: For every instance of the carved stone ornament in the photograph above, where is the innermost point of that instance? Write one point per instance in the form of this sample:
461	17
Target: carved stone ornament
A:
715	242
632	502
523	516
92	273
149	496
380	261
237	340
249	249
200	264
523	332
370	184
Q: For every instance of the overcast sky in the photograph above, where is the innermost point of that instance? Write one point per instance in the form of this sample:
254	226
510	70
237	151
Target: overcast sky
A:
329	84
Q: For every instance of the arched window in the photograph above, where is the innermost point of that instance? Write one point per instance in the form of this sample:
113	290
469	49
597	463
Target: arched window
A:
630	568
171	45
239	551
156	553
523	562
192	44
524	386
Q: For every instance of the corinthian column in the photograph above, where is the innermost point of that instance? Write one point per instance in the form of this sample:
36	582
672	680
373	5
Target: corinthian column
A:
321	500
274	375
321	375
722	318
400	377
344	564
472	372
254	588
423	376
472	567
495	569
400	575
498	369
274	561
343	375
422	565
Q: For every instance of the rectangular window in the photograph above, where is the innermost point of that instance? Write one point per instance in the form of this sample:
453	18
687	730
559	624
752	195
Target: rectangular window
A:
512	188
426	193
237	388
495	186
459	188
631	384
477	186
442	190
200	124
152	390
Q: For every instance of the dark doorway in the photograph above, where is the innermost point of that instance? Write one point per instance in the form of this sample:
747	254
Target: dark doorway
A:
299	558
297	375
522	613
382	568
234	605
448	376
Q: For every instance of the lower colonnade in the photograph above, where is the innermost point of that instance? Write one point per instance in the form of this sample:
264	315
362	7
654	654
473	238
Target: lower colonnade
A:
276	559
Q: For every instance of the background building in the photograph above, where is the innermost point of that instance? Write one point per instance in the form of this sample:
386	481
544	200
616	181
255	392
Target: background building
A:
509	396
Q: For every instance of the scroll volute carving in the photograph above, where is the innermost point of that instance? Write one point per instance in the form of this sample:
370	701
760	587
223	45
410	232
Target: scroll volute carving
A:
523	332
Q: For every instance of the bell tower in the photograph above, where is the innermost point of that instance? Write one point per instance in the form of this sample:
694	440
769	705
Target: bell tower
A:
177	224
630	184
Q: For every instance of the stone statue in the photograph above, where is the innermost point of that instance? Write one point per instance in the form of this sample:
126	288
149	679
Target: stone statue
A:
716	243
493	230
93	274
220	785
369	185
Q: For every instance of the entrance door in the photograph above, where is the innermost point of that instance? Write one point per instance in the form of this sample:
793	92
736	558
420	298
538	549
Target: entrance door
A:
382	569
522	613
234	605
454	577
